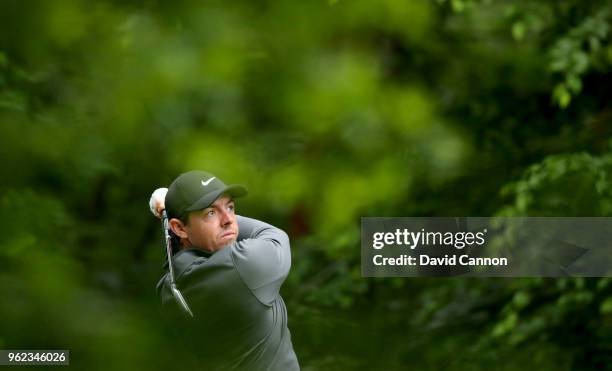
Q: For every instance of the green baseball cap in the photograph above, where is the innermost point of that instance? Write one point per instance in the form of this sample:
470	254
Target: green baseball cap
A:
197	190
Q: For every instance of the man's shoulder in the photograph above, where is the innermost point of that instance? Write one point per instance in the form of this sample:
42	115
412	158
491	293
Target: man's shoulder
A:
183	263
185	260
260	262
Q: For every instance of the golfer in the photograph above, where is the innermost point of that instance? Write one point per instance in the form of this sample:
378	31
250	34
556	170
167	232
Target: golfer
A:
229	269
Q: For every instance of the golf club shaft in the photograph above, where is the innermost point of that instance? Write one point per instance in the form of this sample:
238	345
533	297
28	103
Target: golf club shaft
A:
175	291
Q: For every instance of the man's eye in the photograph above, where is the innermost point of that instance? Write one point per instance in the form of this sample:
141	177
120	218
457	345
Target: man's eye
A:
230	207
211	213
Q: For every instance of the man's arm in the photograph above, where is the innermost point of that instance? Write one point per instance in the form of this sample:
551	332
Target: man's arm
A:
262	256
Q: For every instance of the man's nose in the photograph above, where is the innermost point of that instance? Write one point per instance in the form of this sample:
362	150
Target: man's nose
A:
226	218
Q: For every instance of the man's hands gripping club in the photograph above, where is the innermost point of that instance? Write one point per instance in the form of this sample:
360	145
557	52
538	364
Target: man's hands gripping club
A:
157	202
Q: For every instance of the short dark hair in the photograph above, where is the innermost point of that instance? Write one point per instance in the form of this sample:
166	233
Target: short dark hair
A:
175	242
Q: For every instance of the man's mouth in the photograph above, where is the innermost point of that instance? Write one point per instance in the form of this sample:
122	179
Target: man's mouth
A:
228	234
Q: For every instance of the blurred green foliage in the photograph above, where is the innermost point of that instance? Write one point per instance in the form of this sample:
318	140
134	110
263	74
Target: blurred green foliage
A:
327	111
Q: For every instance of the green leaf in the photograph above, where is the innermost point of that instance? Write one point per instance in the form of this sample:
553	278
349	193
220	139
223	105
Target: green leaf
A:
562	96
606	306
518	31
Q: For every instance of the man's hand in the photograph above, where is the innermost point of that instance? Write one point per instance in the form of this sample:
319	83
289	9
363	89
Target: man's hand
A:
157	201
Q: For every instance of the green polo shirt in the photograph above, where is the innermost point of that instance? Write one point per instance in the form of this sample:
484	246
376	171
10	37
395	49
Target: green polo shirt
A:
240	319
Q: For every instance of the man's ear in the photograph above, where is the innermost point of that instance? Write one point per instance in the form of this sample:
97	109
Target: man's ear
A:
177	227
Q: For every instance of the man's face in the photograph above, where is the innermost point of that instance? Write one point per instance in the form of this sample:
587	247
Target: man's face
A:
214	227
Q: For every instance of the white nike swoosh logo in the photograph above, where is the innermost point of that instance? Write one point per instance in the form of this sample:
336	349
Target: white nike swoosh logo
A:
205	183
